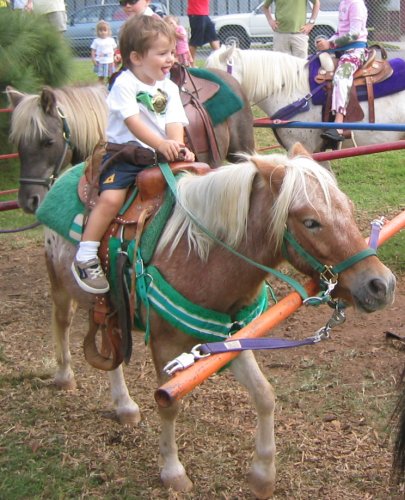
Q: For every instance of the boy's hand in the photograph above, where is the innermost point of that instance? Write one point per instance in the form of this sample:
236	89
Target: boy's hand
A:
186	155
171	149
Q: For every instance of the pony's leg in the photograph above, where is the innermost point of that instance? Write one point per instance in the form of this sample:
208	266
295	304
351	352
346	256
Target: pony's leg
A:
262	474
126	409
173	474
63	310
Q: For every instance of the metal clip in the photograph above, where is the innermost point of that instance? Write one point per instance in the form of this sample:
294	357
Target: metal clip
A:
338	317
184	360
180	363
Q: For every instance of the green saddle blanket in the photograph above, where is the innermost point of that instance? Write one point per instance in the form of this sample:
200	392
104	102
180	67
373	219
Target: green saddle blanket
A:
224	103
62	210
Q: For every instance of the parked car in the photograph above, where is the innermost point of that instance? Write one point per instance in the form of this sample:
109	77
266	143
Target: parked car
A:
81	29
252	27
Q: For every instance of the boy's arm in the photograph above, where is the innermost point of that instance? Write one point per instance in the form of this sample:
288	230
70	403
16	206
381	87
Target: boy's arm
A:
170	147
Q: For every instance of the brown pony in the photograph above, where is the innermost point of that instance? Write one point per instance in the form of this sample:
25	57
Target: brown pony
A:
247	206
62	126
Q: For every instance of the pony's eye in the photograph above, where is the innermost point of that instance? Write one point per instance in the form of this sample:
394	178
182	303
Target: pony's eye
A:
48	142
311	224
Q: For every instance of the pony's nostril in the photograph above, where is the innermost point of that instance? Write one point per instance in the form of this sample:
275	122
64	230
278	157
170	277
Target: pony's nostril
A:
378	287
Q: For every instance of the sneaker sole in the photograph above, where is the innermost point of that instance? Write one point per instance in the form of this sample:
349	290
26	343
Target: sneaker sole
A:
85	287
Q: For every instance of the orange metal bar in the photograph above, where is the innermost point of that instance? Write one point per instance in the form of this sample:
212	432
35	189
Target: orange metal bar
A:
185	381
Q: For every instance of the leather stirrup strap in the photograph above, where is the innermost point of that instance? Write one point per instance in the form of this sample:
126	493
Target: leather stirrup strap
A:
370	98
139	230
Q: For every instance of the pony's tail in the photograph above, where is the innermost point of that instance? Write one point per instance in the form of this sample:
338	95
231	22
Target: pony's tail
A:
398	462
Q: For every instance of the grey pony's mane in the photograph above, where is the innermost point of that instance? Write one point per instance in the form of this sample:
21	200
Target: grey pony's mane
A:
220	202
85	110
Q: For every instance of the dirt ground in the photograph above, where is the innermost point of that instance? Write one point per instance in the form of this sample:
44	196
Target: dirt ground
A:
334	402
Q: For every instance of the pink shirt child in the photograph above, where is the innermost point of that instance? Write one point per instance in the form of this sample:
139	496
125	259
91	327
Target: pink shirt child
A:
352	23
181	40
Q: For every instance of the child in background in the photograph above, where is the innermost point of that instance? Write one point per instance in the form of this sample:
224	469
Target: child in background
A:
183	54
350	42
102	52
145	110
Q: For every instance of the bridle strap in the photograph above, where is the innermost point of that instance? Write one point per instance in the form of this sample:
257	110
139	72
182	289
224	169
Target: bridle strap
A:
325	270
56	171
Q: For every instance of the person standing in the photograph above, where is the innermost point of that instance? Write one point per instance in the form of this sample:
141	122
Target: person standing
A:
102	51
350	45
183	55
290	26
54	10
201	26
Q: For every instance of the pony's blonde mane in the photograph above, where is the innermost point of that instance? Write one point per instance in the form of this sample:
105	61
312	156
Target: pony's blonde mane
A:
220	202
265	72
85	110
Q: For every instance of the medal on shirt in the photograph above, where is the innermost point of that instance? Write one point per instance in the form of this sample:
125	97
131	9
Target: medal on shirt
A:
156	103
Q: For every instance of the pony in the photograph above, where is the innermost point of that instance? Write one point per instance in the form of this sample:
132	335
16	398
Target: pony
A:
62	126
246	206
51	130
272	80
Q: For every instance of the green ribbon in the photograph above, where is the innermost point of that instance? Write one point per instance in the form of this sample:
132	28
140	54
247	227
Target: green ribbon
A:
156	103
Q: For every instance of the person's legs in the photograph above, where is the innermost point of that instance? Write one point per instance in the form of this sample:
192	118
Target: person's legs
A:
299	45
197	34
281	42
58	19
348	63
210	35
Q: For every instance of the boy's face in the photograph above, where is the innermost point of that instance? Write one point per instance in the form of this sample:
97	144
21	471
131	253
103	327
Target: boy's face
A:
156	63
136	8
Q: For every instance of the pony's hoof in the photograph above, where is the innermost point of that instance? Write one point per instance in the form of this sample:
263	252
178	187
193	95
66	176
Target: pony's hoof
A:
65	385
130	418
262	486
178	483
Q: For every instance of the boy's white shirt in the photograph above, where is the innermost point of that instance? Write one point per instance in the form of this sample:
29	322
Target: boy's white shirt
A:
122	104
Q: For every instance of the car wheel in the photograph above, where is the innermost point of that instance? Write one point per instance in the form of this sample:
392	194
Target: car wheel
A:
318	30
234	35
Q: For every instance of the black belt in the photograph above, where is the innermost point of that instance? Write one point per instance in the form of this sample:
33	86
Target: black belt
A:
136	155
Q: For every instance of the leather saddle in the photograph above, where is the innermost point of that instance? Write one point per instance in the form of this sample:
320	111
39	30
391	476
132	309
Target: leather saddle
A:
373	71
194	92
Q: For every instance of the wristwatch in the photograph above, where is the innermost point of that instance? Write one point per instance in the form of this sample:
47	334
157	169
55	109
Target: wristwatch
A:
311	21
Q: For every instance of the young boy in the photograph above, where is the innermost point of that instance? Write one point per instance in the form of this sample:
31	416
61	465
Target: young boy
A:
144	110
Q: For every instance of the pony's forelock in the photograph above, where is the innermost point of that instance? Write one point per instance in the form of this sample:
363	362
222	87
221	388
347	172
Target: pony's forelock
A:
300	172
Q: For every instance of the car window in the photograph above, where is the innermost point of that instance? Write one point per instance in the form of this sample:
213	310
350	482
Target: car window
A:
329	5
86	16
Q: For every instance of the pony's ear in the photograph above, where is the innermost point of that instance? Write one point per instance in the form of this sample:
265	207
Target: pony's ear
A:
14	96
48	101
272	171
226	53
299	150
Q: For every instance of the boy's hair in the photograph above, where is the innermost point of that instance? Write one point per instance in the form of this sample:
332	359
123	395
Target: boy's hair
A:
139	34
101	24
